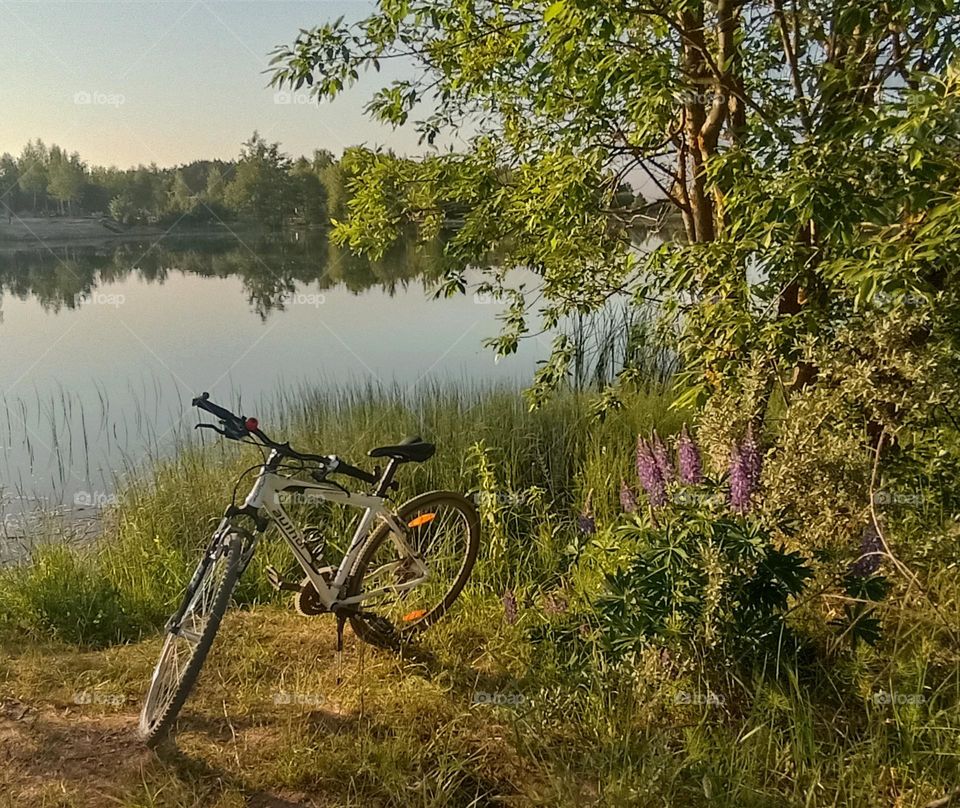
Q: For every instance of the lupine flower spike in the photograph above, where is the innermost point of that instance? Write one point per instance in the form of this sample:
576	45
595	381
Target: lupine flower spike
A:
586	524
688	459
628	500
648	472
871	548
510	607
662	455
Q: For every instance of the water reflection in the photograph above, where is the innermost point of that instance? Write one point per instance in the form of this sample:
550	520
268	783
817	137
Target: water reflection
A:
270	270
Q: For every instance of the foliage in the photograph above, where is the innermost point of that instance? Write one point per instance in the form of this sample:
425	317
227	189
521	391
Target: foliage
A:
263	183
701	583
523	468
810	151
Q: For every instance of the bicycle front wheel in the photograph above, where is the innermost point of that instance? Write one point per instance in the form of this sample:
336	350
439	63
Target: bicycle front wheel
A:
443	530
187	644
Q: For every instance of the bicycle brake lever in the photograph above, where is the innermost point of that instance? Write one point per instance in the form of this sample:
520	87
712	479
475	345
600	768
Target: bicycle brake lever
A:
214	427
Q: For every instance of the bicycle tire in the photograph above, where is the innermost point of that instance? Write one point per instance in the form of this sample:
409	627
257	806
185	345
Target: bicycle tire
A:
153	732
432	499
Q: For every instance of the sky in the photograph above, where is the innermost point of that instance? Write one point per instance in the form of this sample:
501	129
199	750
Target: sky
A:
125	82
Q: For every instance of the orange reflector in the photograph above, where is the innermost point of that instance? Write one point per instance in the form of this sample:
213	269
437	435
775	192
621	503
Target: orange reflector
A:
409	617
422	519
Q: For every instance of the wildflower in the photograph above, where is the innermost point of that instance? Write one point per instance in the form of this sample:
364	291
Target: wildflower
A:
871	548
628	500
688	459
662	457
555	603
745	467
510	607
586	524
649	474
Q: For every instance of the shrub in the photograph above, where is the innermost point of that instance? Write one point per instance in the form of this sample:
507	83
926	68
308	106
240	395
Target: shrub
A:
697	570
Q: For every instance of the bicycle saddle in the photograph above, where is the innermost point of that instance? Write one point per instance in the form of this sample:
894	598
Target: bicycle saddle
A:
415	450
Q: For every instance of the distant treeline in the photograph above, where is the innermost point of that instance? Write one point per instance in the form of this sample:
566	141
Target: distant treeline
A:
262	184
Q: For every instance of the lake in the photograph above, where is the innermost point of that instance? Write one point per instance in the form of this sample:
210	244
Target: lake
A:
102	347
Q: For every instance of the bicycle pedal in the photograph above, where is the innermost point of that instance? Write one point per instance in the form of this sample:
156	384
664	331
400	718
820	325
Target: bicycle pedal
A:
274	579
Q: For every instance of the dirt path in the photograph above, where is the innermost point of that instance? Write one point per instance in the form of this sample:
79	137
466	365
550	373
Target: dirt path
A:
45	752
268	725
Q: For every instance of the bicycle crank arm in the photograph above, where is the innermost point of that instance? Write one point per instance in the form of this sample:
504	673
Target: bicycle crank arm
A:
273	577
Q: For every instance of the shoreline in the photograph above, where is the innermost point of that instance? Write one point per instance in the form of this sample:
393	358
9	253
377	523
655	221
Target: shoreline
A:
40	232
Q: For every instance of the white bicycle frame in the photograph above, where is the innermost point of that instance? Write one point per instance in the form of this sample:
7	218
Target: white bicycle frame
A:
266	494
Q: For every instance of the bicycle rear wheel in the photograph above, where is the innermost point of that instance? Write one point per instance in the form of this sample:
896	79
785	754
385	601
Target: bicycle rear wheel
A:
443	528
186	648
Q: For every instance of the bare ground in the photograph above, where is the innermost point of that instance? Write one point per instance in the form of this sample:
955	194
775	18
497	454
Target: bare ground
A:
267	726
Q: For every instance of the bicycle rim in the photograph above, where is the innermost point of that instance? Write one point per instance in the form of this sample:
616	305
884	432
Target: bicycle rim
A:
184	650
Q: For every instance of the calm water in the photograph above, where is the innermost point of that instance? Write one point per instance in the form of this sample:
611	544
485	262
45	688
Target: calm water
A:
102	348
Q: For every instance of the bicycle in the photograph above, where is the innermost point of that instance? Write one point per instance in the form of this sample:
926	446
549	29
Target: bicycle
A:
394	580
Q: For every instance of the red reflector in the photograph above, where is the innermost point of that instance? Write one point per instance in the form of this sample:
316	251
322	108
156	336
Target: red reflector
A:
251	423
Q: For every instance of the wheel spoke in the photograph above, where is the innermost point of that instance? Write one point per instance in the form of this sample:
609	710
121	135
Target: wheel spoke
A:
440	536
182	640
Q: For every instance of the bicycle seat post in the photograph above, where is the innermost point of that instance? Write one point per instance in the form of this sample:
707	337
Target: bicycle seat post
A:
386	479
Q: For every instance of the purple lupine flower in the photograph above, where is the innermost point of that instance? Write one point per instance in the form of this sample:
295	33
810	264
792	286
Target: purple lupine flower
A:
648	472
871	549
628	499
752	459
662	455
741	488
586	524
688	459
510	607
555	603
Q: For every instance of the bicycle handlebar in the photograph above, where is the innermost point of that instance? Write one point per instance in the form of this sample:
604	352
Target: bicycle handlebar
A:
237	427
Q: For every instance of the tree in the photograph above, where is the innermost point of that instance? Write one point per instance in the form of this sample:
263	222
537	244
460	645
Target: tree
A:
66	177
180	199
260	185
797	142
122	208
215	185
32	169
9	184
309	193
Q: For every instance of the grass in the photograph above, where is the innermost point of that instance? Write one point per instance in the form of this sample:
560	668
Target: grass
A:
484	711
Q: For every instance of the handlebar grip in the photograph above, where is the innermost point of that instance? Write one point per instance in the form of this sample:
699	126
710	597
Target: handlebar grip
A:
203	402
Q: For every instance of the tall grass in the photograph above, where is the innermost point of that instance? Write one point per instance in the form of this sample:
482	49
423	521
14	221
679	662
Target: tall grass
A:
821	731
531	473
